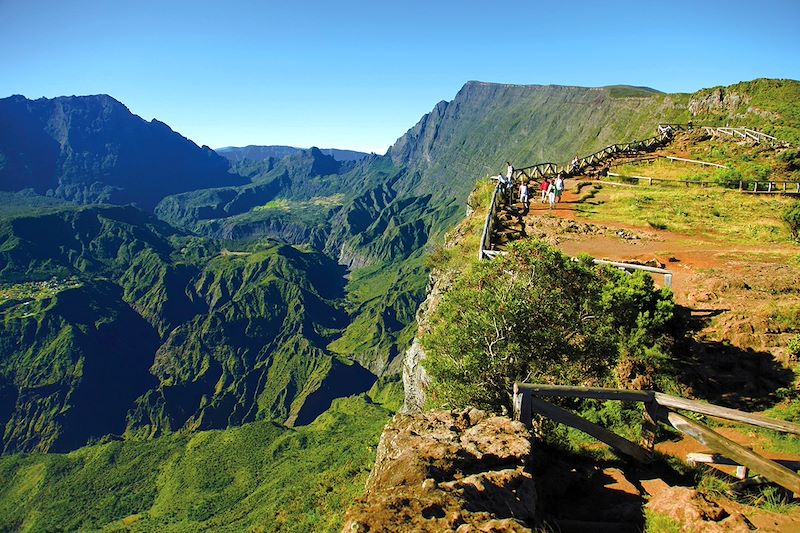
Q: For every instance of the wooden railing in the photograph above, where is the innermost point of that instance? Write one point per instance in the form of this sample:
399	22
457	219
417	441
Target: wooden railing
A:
741	133
485	251
630	267
736	132
758	187
658	407
547	170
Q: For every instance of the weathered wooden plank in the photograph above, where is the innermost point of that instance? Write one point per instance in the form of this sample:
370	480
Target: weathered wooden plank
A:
631	266
769	469
597	393
695	161
717	459
562	416
674	402
487	225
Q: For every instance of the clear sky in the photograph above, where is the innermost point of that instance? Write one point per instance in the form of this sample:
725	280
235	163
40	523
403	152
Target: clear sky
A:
358	74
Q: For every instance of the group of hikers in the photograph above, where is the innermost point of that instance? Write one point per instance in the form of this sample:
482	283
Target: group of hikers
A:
550	189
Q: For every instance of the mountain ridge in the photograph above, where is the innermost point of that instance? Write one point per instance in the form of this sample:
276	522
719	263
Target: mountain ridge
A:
92	149
260	152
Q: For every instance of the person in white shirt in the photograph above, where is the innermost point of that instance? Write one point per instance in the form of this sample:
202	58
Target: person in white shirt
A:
559	183
523	194
551	194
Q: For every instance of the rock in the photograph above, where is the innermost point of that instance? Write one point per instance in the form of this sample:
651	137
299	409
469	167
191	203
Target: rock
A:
415	379
448	471
696	513
654	487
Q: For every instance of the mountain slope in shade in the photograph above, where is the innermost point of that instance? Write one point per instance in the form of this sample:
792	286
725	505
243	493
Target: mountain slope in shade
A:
92	149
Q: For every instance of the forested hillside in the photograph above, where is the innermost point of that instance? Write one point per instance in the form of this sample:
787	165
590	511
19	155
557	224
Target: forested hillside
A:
113	322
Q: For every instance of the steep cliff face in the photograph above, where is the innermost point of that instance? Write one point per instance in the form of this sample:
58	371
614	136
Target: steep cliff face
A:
415	379
487	124
447	471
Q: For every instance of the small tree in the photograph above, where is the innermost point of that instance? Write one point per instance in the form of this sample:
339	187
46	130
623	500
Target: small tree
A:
537	315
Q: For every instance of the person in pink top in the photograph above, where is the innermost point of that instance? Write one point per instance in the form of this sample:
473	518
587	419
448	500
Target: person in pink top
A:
543	188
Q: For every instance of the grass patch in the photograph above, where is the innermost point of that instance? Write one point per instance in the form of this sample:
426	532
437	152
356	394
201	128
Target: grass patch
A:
659	523
728	215
665	169
282	204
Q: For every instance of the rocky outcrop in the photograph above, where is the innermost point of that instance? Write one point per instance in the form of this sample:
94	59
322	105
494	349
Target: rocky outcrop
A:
694	512
448	471
415	379
716	101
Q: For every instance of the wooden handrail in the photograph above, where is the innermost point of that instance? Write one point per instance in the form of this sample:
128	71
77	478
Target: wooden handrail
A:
487	226
676	402
658	406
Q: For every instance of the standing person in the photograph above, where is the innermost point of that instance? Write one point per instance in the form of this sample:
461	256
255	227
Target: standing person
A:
523	194
510	181
551	194
543	187
501	184
574	165
559	184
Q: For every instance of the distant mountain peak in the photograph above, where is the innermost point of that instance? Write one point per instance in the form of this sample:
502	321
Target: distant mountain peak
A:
92	149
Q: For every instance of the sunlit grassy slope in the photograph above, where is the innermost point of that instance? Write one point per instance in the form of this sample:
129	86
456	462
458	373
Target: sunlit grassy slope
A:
715	212
257	477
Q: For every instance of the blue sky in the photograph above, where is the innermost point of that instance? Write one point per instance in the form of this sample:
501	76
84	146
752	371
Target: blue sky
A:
358	74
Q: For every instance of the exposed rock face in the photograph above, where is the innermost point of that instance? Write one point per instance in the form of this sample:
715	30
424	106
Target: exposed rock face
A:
695	513
415	379
718	101
448	471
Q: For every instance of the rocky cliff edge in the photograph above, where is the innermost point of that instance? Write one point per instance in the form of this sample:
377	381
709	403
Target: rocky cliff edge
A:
448	471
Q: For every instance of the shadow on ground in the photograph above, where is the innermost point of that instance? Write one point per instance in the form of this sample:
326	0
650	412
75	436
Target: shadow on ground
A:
727	375
578	493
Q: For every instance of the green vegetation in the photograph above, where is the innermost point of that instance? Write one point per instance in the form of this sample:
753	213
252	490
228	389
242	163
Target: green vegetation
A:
726	215
257	477
313	203
791	216
210	340
776	99
537	316
659	523
794	347
383	300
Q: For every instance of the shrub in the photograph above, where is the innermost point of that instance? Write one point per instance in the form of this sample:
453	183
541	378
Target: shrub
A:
537	315
792	218
728	177
791	158
794	347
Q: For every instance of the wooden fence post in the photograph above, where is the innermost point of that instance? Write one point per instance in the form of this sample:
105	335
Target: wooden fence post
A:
522	406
